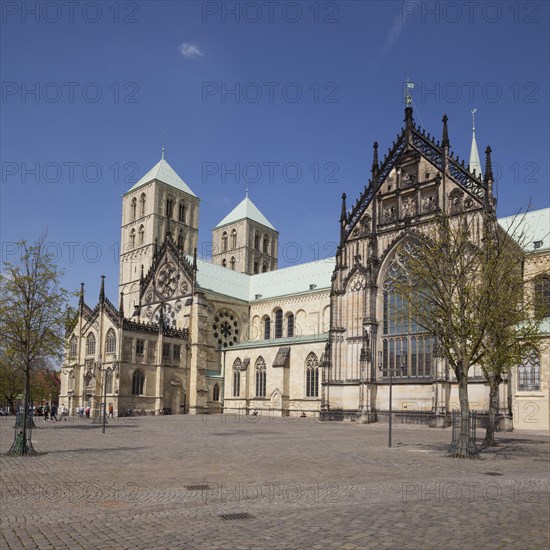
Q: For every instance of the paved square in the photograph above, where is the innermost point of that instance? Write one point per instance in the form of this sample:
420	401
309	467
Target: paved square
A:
227	482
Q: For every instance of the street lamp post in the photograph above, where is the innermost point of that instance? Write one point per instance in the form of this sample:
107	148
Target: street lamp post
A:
402	363
104	419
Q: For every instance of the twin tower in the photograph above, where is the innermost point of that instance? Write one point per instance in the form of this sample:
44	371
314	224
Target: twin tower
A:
162	206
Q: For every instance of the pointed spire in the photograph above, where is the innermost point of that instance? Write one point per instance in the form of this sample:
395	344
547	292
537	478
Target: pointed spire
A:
445	140
102	289
474	164
121	304
141	276
375	163
81	298
343	215
490	202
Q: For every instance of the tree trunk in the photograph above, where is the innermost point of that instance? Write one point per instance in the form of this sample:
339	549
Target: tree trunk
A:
21	446
464	447
494	383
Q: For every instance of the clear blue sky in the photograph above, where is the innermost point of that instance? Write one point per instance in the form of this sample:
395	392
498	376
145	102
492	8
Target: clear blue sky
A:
164	70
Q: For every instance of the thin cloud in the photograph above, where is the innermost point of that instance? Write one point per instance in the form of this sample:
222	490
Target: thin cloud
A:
395	31
190	51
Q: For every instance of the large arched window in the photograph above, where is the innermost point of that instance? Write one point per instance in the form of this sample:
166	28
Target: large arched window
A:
73	347
137	382
110	342
312	375
279	323
529	372
237	377
260	377
406	348
142	200
133	208
267	328
542	295
234	238
224	241
90	344
216	393
290	325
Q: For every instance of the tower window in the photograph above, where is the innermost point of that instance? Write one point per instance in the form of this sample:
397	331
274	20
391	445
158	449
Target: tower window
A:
141	233
233	263
256	267
180	241
133	238
142	203
266	244
234	239
224	241
257	241
264	267
169	207
181	212
134	205
224	262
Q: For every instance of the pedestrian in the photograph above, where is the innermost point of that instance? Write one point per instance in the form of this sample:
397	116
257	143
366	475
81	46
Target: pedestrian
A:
54	412
46	412
87	412
80	411
110	410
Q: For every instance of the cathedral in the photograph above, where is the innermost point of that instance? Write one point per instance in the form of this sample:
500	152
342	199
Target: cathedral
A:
238	335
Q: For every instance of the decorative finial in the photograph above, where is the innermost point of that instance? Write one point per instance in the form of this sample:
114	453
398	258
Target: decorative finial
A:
488	165
474	119
343	215
375	164
81	299
102	289
163	146
141	276
162	153
445	140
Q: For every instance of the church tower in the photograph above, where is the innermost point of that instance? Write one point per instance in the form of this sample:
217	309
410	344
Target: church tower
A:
245	241
159	205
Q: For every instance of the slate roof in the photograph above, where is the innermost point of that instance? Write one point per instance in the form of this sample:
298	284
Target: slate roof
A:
529	228
246	209
163	172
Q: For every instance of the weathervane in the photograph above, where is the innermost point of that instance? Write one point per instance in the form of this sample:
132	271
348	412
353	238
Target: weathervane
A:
409	86
474	118
163	141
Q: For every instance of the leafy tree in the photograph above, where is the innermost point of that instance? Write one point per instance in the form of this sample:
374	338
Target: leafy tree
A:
32	320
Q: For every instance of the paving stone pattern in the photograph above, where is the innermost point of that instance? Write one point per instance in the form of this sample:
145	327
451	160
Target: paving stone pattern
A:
222	482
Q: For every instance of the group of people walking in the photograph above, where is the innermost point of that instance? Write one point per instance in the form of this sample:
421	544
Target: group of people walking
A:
50	412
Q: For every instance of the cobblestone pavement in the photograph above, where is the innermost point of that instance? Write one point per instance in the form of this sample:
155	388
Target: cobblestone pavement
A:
226	482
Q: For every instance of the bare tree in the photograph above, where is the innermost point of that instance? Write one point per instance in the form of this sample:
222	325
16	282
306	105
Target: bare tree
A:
32	320
513	327
463	284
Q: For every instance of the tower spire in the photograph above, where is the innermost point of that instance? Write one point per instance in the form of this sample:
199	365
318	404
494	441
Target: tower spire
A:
474	164
81	298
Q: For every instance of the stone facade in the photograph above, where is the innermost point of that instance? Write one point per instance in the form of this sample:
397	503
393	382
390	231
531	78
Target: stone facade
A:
196	337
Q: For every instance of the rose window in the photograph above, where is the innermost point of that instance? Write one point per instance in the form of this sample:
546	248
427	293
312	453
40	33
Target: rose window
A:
226	328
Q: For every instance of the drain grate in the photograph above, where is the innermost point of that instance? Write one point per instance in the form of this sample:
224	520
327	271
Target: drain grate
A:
493	474
244	515
198	487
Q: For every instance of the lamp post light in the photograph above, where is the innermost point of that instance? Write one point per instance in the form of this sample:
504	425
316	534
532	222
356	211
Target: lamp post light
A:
401	365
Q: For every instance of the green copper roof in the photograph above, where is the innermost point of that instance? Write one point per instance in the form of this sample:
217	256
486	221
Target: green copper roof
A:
246	209
529	228
297	279
162	171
